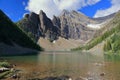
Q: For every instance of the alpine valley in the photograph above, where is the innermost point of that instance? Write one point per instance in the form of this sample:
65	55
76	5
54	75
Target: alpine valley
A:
69	30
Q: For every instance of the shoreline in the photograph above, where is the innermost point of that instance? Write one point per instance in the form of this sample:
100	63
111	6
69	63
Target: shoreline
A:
8	50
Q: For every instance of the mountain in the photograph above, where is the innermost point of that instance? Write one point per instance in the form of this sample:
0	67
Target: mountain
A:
109	36
112	43
12	38
105	18
39	26
73	25
69	25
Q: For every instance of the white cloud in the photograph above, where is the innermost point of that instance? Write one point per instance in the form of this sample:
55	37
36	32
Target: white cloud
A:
92	2
54	7
114	8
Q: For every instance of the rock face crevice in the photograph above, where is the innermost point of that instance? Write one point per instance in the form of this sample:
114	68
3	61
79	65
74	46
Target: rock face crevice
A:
69	25
47	28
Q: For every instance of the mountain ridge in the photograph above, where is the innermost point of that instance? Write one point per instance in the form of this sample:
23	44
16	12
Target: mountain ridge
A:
68	25
12	36
108	36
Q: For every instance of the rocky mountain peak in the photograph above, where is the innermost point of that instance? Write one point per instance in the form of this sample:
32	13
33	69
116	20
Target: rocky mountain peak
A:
33	17
40	26
64	12
48	29
26	15
42	14
46	23
69	25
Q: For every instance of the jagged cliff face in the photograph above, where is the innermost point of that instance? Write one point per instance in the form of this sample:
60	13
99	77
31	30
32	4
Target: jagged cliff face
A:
69	25
73	25
30	24
39	26
47	28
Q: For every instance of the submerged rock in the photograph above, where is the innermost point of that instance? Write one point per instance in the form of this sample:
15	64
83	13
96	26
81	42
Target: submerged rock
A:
16	76
102	74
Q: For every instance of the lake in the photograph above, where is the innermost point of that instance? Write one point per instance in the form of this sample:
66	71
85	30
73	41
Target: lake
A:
73	64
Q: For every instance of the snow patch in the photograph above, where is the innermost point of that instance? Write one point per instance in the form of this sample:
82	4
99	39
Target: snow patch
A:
95	26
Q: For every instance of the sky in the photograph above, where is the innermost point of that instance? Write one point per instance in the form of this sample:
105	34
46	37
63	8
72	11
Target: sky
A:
15	9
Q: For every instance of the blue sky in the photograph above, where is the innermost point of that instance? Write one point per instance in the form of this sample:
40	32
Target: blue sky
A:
15	9
91	10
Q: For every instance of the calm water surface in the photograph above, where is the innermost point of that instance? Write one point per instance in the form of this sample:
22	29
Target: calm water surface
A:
68	63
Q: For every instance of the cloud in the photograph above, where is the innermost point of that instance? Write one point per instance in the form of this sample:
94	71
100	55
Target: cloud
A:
54	7
114	8
92	2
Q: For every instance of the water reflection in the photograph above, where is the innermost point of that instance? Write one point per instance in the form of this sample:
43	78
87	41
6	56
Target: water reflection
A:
112	67
69	63
113	58
73	64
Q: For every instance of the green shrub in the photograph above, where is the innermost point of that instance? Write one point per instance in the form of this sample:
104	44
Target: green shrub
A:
107	46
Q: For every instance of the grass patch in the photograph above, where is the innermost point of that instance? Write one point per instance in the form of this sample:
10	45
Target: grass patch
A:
4	64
